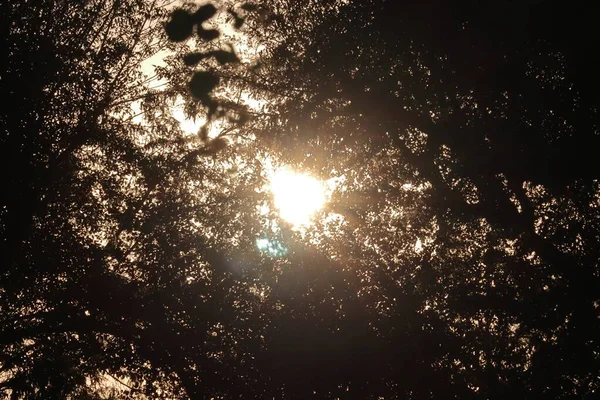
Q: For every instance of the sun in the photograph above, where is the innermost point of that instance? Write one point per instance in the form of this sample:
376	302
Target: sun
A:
297	196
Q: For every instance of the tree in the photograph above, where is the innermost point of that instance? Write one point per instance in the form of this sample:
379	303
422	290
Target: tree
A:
115	230
457	257
466	148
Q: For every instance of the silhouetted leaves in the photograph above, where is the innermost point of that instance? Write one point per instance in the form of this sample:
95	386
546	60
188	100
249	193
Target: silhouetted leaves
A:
193	58
218	144
203	133
249	7
457	257
208	34
180	26
204	13
237	20
202	84
417	102
222	57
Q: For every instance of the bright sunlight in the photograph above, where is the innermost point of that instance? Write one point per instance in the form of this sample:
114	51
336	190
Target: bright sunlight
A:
297	196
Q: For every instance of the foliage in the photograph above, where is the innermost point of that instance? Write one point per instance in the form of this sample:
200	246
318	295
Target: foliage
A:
117	229
457	257
469	206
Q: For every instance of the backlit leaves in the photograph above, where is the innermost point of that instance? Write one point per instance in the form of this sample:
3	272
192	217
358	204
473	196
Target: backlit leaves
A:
208	34
180	26
204	13
237	20
202	84
221	56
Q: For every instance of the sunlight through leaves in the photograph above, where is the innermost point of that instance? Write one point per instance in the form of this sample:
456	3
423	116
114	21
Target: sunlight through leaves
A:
273	248
298	197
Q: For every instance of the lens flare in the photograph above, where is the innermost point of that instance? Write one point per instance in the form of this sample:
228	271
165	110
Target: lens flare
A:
297	196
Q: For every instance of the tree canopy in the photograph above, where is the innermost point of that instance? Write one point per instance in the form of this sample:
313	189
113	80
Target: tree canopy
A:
457	253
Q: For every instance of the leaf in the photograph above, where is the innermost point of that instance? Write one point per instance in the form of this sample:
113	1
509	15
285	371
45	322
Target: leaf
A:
204	13
208	34
193	58
180	26
203	133
224	57
249	7
244	117
237	20
202	83
218	144
213	106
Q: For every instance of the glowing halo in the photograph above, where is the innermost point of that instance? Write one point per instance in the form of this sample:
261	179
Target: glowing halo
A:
297	196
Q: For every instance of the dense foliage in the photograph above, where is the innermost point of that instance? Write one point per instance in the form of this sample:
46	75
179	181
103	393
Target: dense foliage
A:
466	137
457	256
111	214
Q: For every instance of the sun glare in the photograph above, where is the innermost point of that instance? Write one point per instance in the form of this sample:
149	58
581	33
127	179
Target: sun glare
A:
297	196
